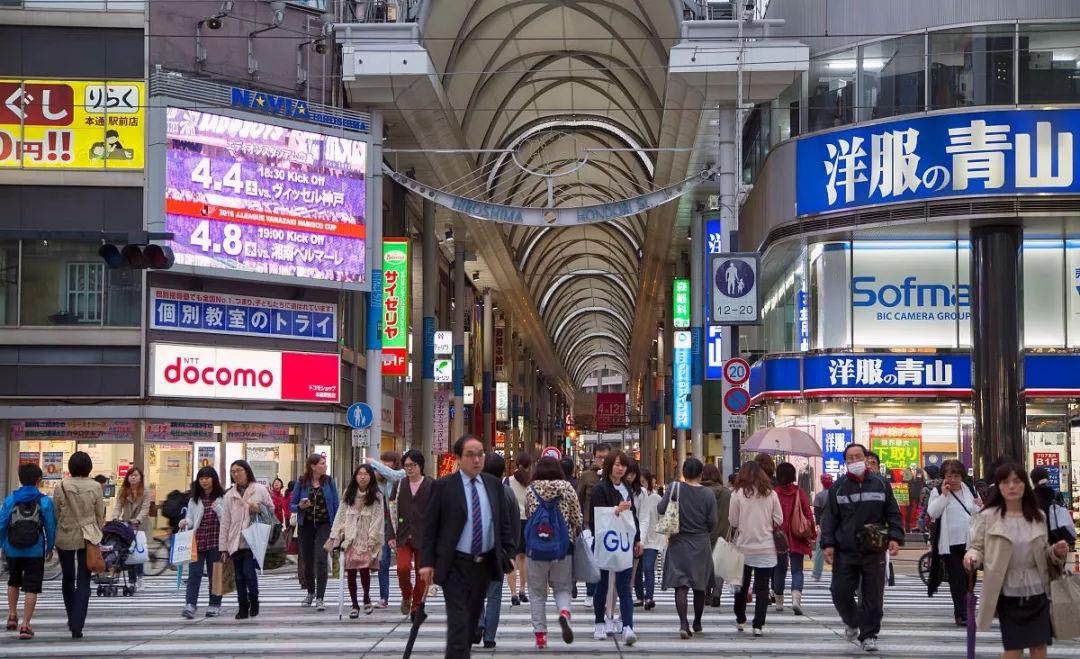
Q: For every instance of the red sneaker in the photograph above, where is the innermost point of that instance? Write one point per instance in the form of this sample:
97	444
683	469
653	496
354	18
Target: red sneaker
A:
564	624
541	640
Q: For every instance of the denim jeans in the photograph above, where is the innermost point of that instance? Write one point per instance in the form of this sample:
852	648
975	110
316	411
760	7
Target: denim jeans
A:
489	621
384	572
247	581
779	578
646	575
75	586
622	587
209	558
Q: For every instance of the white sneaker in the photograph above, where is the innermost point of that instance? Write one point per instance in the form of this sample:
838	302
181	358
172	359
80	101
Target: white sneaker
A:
758	631
319	606
213	612
851	633
869	644
188	612
600	633
628	636
308	599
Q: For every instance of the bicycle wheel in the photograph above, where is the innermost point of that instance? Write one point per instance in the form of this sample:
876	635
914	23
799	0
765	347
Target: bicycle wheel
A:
157	560
924	567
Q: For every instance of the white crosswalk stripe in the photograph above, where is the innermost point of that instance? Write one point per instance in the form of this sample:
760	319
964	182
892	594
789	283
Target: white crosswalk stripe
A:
149	625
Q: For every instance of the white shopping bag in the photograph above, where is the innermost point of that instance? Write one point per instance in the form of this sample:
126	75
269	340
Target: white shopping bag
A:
614	539
137	554
182	549
728	562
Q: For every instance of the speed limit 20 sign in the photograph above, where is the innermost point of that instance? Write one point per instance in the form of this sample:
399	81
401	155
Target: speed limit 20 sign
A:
736	371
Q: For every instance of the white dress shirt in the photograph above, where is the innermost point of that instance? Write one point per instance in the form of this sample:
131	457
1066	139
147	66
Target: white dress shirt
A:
464	544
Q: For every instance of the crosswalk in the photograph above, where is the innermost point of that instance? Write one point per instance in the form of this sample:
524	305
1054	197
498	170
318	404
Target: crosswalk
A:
149	625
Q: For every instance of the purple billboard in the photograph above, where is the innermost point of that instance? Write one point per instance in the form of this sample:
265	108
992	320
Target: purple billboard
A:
256	197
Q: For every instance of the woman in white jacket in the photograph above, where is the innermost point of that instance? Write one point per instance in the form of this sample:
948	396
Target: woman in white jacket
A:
952	504
204	512
358	530
653	542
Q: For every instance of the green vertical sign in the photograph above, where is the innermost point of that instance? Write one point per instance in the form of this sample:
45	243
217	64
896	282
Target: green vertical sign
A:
680	303
395	320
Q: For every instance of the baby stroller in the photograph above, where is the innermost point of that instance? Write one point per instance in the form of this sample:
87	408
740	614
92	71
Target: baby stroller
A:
116	539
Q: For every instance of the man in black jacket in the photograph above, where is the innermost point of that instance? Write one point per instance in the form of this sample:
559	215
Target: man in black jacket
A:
467	542
861	516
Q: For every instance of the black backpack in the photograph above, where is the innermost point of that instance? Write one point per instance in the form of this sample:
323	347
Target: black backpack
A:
175	507
25	527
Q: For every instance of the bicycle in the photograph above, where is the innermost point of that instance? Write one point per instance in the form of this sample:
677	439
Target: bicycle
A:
52	567
157	559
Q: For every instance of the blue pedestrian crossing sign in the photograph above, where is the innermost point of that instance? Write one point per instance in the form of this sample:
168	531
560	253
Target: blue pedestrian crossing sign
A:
360	415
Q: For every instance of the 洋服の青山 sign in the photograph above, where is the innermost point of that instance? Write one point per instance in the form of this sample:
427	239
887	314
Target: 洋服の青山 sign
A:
188	371
395	294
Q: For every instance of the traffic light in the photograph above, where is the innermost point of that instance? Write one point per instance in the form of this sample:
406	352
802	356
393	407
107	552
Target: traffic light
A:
138	257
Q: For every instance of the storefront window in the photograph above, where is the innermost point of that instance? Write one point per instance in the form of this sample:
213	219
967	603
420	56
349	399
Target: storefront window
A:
271	450
829	295
1052	442
971	66
786	308
831	99
1049	57
892	77
9	282
49	443
67	283
785	114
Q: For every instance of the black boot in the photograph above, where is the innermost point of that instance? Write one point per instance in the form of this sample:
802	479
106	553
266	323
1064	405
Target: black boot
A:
242	612
253	608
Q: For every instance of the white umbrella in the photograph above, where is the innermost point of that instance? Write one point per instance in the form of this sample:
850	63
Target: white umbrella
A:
257	536
788	441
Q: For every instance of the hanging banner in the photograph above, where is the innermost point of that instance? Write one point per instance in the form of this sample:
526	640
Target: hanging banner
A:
395	325
681	390
502	401
610	411
680	303
500	351
542	217
440	441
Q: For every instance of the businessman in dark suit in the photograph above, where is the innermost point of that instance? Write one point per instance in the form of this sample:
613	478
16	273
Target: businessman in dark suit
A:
467	542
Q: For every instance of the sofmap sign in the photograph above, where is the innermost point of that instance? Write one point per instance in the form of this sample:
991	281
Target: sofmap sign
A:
916	295
395	307
943	155
255	197
241	315
72	124
681	390
189	371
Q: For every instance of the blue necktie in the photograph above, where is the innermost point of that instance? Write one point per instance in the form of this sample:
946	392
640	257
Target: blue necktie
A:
477	522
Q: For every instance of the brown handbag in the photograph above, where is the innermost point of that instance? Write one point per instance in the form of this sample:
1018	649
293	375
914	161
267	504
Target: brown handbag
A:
801	527
95	563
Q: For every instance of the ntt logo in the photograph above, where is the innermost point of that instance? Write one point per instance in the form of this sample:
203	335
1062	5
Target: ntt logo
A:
219	375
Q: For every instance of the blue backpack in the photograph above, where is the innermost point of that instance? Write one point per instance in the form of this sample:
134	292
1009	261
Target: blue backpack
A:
547	538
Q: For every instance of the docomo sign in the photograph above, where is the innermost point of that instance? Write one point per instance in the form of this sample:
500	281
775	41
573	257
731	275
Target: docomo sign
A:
200	372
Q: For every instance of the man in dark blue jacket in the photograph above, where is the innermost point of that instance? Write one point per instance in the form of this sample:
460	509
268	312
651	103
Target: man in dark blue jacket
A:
861	523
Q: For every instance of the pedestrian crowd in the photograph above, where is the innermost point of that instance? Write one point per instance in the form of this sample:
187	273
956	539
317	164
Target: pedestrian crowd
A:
543	531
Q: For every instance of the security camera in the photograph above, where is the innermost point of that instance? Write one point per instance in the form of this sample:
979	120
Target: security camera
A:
214	23
320	47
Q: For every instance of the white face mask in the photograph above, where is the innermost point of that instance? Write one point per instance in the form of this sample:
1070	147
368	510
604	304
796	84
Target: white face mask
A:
857	469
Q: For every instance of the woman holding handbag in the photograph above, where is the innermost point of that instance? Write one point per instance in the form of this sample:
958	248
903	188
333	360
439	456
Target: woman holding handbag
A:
1008	540
612	492
358	530
246	498
80	512
798	527
755	513
315	502
689	565
204	511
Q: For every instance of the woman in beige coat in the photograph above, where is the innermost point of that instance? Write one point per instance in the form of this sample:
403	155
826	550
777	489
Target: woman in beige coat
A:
1008	539
80	513
133	508
245	498
358	530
